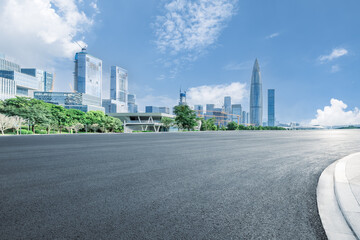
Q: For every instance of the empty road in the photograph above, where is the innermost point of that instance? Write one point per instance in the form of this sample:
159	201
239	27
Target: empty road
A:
201	185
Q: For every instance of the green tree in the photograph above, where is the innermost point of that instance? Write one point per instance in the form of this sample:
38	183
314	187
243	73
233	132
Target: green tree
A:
185	117
167	122
232	126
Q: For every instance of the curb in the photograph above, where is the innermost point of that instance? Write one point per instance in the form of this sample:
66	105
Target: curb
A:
330	213
349	206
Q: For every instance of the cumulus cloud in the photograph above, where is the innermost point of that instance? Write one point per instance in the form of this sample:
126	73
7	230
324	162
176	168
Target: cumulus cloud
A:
273	35
214	94
191	26
38	32
336	53
336	115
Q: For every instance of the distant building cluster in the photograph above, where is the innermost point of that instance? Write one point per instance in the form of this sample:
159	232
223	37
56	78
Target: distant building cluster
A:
234	112
18	81
86	95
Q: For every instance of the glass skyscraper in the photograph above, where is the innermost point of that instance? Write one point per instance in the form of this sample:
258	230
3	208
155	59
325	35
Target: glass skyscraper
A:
227	108
199	110
118	102
271	107
88	75
132	107
209	111
256	100
236	111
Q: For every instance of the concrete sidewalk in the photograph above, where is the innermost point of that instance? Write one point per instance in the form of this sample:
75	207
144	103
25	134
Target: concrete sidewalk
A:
338	197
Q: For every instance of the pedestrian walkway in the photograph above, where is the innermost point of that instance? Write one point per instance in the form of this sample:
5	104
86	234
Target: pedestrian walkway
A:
338	196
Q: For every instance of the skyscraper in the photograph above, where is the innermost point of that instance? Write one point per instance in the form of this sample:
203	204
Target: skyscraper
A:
209	111
132	107
88	74
227	108
199	110
271	107
182	98
236	111
256	100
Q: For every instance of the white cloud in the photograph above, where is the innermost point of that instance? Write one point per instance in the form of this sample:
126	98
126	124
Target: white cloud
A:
237	66
335	68
191	26
214	94
38	32
336	53
273	35
336	115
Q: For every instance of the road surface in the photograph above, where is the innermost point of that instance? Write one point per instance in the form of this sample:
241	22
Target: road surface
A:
201	185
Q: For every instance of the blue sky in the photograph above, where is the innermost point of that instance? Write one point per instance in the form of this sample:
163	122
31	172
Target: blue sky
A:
308	50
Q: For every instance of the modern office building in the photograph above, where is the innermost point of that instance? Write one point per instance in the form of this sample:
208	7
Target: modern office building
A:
271	107
152	109
88	74
132	107
256	100
182	100
70	100
245	118
199	110
220	117
227	107
88	79
164	110
45	79
118	101
25	84
7	88
26	81
236	111
209	111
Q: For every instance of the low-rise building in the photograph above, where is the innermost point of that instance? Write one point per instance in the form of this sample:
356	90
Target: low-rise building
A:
71	100
142	121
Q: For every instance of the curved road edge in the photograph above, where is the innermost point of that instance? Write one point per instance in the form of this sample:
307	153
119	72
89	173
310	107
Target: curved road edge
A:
338	206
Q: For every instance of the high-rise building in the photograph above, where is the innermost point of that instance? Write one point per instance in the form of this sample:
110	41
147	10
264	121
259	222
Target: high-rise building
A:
199	110
118	102
220	117
132	107
227	108
256	100
88	79
182	100
236	111
271	107
88	74
209	111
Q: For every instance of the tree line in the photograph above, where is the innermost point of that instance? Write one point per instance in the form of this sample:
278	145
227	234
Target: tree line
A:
186	119
37	114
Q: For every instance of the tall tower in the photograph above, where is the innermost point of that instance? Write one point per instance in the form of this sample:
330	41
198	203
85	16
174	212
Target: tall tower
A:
271	107
182	98
256	100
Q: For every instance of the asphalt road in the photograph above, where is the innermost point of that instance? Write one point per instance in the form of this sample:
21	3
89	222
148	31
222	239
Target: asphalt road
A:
204	185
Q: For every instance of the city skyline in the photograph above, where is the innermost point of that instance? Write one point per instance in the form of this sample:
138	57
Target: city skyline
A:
303	61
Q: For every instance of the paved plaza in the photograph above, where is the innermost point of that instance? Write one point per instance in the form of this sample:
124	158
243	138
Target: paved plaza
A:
199	185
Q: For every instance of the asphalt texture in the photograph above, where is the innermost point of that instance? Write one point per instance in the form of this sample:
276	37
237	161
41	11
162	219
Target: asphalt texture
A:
200	185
